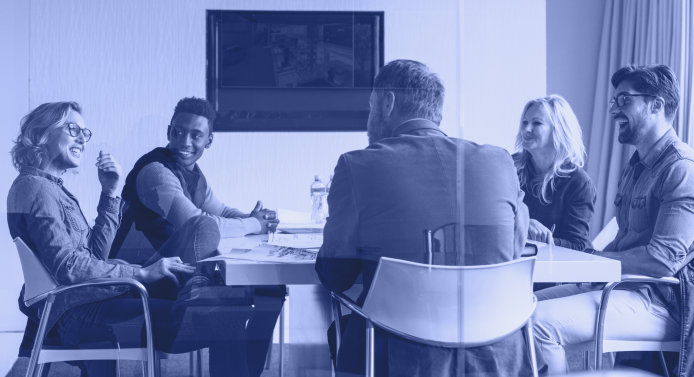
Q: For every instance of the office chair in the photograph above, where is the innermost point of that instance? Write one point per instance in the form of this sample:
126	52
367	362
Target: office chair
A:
39	285
601	345
446	306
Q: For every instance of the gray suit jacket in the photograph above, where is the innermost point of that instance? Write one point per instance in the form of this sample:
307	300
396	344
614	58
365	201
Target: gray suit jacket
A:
381	200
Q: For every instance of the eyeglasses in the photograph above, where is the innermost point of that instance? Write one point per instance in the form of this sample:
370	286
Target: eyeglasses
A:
75	131
620	99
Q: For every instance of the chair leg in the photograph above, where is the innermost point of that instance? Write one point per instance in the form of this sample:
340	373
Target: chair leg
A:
370	334
198	363
666	373
44	370
195	364
38	342
39	370
268	357
531	345
282	341
191	364
586	360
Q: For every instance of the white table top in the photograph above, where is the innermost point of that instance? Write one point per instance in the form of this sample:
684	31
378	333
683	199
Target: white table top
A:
561	265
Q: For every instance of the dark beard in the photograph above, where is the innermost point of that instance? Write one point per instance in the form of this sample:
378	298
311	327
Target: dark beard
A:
378	132
628	137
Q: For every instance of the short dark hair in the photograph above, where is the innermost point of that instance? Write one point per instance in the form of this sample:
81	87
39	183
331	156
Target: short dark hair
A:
419	92
654	79
197	106
30	147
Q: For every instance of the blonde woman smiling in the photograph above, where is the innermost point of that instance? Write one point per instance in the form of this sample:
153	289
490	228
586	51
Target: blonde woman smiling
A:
549	160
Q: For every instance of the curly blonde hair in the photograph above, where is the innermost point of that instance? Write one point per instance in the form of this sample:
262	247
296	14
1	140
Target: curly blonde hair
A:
30	147
568	143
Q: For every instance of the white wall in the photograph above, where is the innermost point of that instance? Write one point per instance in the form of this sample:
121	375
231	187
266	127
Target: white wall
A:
574	31
14	104
129	62
503	66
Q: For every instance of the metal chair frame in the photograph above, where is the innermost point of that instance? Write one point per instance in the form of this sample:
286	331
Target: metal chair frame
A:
614	345
339	299
41	356
69	354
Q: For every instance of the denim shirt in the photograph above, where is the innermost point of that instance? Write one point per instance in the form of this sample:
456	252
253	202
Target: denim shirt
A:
48	218
655	207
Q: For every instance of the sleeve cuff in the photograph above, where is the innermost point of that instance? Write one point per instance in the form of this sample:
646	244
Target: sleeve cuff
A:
109	204
251	225
127	271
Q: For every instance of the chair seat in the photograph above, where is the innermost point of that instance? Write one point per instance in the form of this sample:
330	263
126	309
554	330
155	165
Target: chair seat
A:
624	345
51	354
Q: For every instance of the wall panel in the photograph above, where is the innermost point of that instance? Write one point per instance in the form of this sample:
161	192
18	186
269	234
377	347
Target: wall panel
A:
128	63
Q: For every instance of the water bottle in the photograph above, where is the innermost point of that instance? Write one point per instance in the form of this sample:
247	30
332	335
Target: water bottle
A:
317	201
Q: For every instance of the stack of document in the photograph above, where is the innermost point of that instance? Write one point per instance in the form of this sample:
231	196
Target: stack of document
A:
296	222
302	241
270	253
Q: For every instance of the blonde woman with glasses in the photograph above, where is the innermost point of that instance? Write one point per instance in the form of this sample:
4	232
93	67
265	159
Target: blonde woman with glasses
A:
549	160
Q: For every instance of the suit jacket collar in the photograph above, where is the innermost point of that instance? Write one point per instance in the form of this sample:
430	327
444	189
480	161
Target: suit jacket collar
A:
416	124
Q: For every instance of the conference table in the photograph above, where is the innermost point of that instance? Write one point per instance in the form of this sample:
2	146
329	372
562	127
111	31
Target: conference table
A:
554	264
307	312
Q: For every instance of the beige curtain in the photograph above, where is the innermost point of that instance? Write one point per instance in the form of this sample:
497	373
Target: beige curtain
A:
634	32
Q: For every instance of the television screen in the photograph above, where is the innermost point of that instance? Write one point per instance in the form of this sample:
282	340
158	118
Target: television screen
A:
292	71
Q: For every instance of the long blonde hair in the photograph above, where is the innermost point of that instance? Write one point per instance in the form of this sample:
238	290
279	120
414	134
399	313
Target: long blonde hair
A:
568	144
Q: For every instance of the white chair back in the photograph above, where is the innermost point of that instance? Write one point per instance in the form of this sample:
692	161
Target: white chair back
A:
465	305
37	279
606	235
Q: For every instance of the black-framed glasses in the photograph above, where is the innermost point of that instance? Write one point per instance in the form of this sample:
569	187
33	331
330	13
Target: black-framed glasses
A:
620	99
76	129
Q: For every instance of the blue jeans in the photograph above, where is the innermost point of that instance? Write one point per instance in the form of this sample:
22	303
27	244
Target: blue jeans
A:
119	321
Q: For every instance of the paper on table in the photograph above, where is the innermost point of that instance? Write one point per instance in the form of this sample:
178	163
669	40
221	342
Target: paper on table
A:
294	219
305	241
269	253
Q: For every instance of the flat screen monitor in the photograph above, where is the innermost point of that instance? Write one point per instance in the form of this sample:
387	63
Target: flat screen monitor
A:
292	71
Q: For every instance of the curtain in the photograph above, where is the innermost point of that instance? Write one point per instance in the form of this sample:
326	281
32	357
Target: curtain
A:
634	32
684	128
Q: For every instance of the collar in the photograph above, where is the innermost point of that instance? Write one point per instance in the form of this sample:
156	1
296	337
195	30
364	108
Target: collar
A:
656	150
415	124
30	170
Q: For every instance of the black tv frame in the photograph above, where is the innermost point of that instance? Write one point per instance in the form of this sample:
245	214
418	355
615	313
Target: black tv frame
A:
321	114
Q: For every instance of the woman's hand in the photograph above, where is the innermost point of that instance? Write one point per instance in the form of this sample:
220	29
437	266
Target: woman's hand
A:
538	232
163	268
109	174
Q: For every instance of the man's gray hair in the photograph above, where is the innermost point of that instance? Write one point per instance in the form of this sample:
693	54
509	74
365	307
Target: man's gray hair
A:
419	92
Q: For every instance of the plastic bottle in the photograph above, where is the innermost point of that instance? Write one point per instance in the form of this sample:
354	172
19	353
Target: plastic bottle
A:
317	201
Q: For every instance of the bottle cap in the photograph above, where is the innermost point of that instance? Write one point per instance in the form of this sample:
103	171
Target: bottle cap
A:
317	177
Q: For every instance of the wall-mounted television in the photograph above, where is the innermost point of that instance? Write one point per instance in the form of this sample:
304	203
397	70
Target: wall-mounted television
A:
292	71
